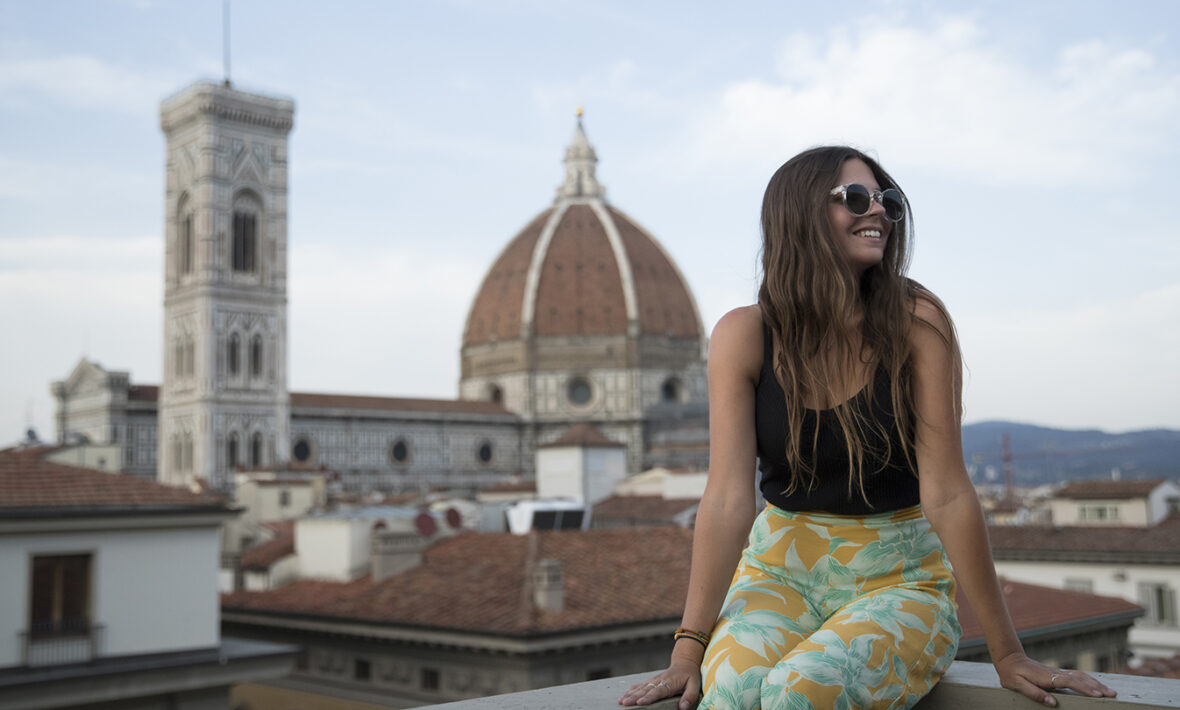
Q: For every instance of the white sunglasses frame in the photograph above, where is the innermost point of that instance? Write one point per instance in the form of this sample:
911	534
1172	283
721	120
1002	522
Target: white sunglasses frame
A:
877	196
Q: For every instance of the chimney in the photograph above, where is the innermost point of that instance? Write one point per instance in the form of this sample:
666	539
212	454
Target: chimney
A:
393	552
547	586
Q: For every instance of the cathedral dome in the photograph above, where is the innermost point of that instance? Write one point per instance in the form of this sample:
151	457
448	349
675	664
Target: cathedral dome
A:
581	268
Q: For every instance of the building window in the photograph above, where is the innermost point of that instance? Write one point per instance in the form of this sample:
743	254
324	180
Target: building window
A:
245	241
186	244
1159	600
429	679
400	451
1173	505
256	356
234	352
579	391
484	453
1079	585
284	498
178	356
256	450
301	451
231	451
362	669
186	463
1099	513
60	596
496	394
670	390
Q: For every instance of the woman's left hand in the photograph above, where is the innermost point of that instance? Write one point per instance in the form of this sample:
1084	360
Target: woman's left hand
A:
1028	677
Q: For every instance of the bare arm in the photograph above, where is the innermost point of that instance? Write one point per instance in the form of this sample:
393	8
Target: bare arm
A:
950	504
727	507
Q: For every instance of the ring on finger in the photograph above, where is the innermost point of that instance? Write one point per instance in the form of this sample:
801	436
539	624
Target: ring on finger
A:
664	684
1053	680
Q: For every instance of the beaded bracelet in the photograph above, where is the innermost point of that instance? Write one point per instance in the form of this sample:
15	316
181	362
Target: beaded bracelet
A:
698	636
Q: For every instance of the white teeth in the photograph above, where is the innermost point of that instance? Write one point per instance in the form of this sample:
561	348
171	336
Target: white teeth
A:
873	233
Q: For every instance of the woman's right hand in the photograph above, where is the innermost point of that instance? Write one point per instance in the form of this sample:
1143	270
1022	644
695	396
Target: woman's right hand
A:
682	677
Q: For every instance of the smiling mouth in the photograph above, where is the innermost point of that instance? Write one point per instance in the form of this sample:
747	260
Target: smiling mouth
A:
868	234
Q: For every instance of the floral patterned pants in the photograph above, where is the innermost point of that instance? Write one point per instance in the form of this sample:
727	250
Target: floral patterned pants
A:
831	611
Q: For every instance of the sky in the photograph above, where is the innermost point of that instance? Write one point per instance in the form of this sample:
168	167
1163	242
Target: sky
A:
1036	142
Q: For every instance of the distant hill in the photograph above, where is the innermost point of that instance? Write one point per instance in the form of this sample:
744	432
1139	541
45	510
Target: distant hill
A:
1044	455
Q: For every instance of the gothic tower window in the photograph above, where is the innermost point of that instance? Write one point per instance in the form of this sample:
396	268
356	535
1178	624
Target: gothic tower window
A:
233	353
186	243
256	450
231	451
256	356
187	453
245	240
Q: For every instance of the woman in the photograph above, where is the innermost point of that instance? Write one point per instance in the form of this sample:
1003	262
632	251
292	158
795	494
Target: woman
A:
844	383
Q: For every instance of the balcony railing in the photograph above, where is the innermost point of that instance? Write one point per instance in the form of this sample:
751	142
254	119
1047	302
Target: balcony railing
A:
51	643
967	686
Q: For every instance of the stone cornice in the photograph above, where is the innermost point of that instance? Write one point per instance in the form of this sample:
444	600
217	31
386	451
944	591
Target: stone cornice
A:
226	104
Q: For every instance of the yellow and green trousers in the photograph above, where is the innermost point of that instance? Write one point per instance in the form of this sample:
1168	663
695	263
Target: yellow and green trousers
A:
833	611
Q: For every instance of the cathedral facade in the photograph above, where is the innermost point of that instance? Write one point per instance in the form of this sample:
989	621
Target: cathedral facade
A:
583	317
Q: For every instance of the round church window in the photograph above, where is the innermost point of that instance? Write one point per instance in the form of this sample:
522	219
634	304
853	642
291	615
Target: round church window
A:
400	451
301	451
579	391
485	452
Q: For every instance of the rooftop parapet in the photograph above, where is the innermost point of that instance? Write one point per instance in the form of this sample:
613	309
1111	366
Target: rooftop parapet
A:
967	686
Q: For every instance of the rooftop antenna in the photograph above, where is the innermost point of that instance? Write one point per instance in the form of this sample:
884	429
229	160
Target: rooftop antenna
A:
225	38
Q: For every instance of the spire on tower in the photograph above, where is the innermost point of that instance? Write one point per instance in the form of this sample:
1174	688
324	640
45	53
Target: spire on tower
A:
580	162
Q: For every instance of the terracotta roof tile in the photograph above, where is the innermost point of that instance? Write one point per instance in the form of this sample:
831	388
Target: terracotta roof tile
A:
261	557
665	305
582	434
1035	607
482	582
644	508
29	481
496	311
510	487
313	400
395	404
580	291
1108	490
143	393
1082	539
1157	667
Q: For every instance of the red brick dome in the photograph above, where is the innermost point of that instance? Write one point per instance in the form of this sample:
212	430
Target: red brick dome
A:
581	267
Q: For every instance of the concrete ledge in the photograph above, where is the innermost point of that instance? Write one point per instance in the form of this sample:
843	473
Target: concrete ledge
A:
967	686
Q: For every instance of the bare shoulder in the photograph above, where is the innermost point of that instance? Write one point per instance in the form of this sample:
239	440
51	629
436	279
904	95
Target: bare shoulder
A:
931	315
736	343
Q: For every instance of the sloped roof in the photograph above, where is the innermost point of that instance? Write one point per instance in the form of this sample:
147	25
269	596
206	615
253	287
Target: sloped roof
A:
482	582
1034	608
1087	544
261	557
396	404
1108	490
314	400
29	483
648	508
582	434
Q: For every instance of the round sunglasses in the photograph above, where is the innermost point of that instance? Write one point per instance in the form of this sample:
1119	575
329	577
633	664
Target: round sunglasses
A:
858	200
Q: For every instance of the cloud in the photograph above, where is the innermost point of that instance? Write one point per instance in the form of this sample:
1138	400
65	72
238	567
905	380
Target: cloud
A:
79	81
384	321
948	93
1110	365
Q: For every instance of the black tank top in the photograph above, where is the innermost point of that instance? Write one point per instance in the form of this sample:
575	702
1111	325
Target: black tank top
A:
889	482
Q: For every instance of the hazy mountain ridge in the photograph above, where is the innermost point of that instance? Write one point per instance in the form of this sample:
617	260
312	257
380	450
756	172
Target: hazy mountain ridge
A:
1047	455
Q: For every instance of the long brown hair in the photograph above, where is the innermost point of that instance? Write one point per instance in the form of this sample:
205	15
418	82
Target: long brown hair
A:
810	297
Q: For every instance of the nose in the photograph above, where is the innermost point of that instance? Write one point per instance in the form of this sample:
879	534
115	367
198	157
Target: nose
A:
876	204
